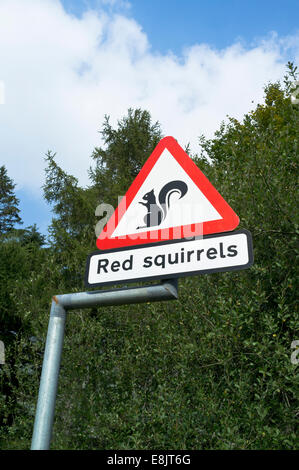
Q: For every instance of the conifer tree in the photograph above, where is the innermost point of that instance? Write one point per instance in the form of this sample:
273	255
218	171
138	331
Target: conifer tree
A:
125	150
9	212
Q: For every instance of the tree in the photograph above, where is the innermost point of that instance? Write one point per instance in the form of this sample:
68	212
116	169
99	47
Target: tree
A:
32	236
9	212
255	167
73	207
25	236
127	149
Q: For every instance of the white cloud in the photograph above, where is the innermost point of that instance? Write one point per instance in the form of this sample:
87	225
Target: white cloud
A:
62	74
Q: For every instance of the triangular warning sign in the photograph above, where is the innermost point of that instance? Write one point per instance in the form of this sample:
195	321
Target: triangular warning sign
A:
169	199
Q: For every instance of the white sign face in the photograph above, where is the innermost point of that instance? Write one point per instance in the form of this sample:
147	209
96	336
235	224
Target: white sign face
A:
192	208
170	199
212	253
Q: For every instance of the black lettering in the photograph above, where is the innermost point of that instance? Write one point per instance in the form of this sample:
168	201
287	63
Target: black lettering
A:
198	254
211	252
189	253
115	266
162	264
147	262
130	265
231	250
222	255
176	260
182	255
102	262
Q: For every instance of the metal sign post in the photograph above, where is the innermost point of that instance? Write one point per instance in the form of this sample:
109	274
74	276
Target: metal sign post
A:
44	416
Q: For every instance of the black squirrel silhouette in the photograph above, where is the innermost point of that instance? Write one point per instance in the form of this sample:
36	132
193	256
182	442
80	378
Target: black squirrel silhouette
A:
156	212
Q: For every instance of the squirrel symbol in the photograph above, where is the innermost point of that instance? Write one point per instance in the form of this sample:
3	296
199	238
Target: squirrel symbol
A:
156	212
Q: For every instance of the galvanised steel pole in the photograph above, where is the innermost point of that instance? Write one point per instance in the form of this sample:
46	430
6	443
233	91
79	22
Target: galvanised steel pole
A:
44	416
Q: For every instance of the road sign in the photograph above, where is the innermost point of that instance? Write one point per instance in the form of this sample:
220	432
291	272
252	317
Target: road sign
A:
169	199
170	259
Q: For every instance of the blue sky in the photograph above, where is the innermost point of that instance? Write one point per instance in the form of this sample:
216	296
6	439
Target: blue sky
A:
190	63
175	24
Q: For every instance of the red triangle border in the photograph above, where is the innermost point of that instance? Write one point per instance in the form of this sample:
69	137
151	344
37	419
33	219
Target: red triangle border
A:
229	220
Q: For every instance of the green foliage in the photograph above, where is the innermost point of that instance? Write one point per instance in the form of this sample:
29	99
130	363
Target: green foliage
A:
211	370
28	236
9	212
290	77
127	149
255	167
72	205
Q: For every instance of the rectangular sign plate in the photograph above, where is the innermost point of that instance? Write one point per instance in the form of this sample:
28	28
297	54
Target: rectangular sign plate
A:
229	251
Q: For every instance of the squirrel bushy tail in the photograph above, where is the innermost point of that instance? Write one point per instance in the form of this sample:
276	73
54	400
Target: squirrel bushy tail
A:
170	188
